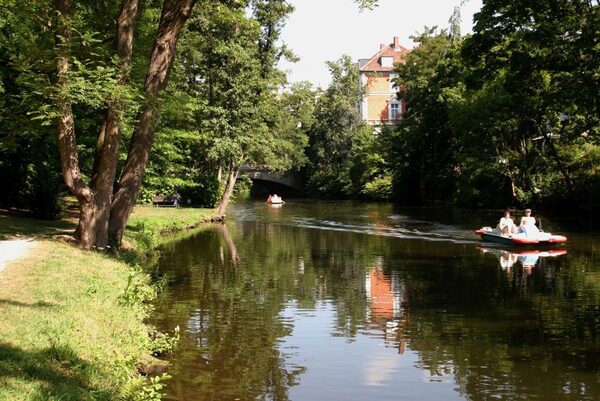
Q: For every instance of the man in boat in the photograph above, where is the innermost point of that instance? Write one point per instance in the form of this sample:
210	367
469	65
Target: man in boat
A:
528	218
507	225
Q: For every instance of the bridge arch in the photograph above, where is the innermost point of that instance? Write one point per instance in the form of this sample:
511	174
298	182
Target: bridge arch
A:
264	174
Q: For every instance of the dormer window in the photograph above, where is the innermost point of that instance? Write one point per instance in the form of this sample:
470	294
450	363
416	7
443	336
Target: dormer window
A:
387	61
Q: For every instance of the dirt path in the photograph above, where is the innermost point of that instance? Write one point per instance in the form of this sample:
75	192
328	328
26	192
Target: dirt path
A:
14	249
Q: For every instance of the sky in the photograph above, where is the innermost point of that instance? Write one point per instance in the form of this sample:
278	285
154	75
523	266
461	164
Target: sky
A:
324	30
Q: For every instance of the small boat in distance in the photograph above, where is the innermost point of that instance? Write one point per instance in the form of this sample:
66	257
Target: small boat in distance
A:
275	200
523	238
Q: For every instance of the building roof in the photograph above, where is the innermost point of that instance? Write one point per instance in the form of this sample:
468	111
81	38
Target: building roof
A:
394	50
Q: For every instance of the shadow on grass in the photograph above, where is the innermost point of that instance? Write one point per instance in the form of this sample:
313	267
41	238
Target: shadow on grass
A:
38	304
55	373
11	226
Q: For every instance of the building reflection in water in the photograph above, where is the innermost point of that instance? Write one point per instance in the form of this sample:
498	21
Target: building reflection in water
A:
385	296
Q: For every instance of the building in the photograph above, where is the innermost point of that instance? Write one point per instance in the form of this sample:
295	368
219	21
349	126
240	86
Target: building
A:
380	104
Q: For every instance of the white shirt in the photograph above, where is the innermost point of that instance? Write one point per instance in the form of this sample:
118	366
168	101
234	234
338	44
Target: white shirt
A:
527	220
506	222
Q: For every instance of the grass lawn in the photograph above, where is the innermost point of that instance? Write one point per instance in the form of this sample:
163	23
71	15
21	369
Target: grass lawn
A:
72	321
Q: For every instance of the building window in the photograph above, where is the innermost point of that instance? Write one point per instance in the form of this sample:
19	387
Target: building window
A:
394	113
387	61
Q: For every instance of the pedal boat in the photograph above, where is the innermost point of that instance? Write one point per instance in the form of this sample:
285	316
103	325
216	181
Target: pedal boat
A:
491	235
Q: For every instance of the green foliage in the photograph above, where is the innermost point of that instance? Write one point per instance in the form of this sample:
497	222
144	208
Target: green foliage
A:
346	157
28	95
424	143
28	162
138	289
379	188
334	132
543	63
152	391
163	343
506	115
222	108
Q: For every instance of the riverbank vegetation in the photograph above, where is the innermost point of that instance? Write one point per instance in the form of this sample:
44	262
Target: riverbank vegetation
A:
72	321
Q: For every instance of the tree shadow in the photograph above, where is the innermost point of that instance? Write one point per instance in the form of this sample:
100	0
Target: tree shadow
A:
61	374
38	304
16	226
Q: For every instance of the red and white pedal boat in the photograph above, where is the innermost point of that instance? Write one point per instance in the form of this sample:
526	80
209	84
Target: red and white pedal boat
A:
541	238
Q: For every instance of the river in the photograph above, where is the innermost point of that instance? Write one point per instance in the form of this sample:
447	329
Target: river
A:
355	301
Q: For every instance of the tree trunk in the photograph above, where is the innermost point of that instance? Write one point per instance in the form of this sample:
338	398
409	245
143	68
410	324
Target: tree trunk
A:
173	17
67	144
109	140
231	179
220	172
104	175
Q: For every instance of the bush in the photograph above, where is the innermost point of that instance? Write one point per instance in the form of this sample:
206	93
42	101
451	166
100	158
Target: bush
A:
379	189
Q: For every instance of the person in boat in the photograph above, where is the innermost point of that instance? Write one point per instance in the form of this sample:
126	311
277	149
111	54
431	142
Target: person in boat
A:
527	225
270	198
528	218
507	225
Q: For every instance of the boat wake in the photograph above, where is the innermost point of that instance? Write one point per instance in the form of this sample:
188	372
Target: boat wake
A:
415	229
360	222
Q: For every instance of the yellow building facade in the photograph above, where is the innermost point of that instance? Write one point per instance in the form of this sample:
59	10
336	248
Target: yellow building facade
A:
380	103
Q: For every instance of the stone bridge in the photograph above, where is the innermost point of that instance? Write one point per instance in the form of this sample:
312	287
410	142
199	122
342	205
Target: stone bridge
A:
263	173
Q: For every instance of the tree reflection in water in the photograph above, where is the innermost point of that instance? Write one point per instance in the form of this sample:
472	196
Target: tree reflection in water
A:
479	328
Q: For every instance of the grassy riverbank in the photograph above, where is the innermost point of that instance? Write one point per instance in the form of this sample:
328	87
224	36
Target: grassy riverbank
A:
72	325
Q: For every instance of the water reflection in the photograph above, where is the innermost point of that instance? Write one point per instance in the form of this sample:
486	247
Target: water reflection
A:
527	258
273	310
385	294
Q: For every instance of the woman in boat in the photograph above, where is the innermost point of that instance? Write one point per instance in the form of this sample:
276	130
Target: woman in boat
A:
528	226
507	225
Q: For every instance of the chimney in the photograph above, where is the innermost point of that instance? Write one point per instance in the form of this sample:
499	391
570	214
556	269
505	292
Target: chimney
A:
396	42
381	46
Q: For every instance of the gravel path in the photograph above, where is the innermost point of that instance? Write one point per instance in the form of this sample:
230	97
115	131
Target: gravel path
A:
14	249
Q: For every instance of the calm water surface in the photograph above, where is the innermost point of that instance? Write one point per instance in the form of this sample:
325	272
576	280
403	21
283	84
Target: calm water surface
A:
345	301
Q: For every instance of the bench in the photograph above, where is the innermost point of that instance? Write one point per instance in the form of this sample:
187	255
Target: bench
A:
166	201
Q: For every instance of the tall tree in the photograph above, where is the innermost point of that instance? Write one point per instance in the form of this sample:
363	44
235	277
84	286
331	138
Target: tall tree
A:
173	17
334	134
424	140
94	199
251	126
109	138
